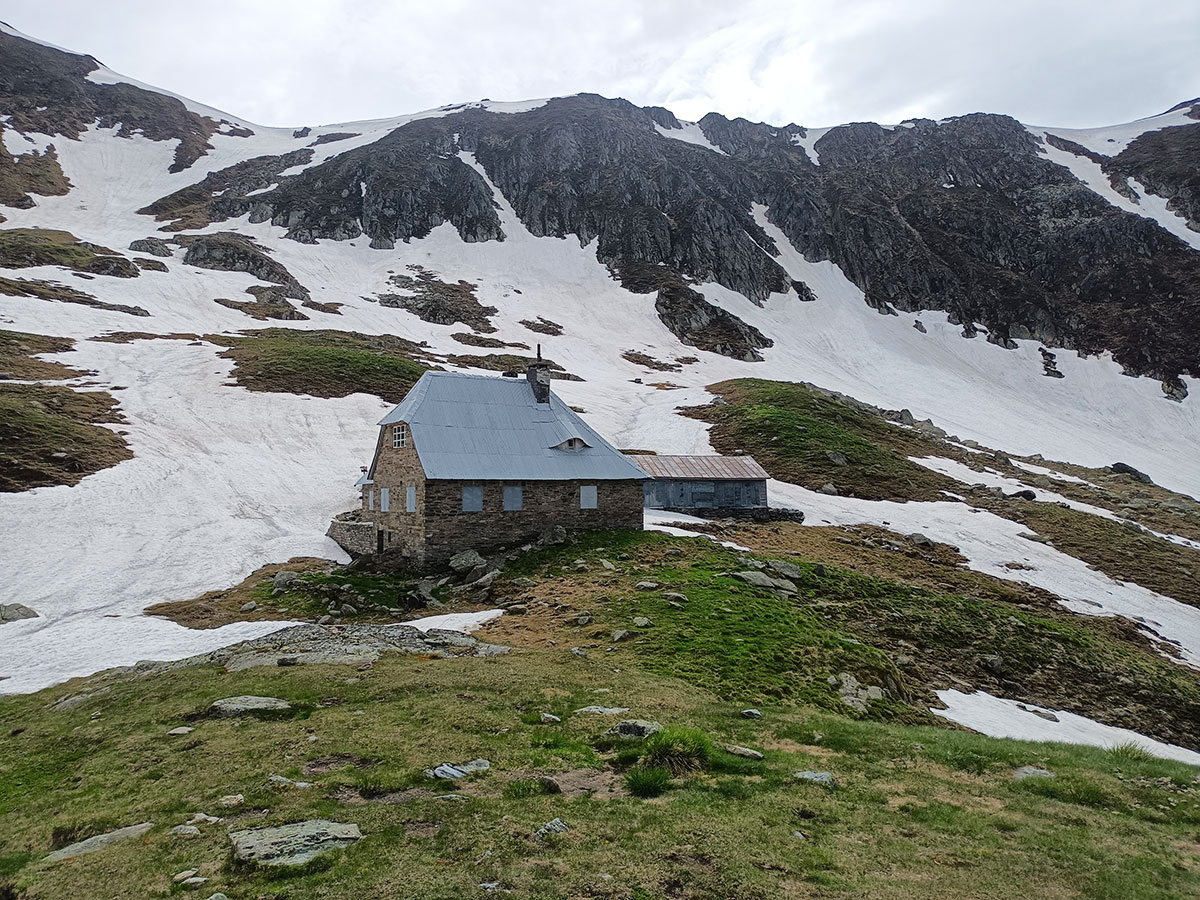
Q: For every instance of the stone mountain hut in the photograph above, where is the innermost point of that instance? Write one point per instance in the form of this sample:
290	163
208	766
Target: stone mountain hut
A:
479	461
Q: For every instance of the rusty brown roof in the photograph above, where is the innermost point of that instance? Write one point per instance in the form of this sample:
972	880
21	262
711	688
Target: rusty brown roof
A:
701	468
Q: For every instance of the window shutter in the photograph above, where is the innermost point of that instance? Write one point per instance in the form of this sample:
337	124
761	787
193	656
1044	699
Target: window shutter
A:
410	498
513	497
371	499
385	500
587	496
472	497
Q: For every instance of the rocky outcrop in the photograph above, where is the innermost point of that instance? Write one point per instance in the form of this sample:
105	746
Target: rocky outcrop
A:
14	612
46	90
222	195
291	845
433	300
237	253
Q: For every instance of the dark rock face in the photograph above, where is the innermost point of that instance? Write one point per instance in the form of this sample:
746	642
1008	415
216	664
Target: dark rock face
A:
47	91
238	253
436	301
965	215
221	195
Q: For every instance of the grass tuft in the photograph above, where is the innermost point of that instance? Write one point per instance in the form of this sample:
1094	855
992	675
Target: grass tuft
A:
647	781
680	750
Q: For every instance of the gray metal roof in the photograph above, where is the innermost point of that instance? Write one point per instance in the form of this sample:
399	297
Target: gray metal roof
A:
485	427
701	468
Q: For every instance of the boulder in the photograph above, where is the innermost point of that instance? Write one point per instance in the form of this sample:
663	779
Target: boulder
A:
744	752
550	719
633	729
642	622
99	842
647	585
249	607
231	707
455	771
465	561
824	778
12	612
919	540
554	826
292	845
604	710
230	801
622	634
181	730
283	582
763	580
1120	468
751	714
785	569
830	489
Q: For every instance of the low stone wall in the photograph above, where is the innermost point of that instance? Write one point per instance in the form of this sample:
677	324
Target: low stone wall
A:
355	537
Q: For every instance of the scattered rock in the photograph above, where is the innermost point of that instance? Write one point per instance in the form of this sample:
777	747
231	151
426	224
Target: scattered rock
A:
622	634
647	585
824	778
919	540
203	819
836	458
516	609
584	619
181	730
642	622
523	582
554	826
830	489
181	877
608	566
634	729
785	569
13	612
463	562
453	772
292	845
229	801
283	582
248	706
751	714
1120	468
186	831
744	752
550	719
763	580
99	842
679	598
249	607
1031	772
604	710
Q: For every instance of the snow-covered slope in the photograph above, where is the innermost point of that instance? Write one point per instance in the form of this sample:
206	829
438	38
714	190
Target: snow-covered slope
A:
224	480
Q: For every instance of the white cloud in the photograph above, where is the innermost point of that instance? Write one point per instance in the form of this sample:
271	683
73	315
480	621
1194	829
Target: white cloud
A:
816	62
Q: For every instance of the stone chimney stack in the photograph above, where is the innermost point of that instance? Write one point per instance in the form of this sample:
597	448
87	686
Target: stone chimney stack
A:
538	376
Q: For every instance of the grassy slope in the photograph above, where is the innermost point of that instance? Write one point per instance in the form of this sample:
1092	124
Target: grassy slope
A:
923	811
792	428
324	363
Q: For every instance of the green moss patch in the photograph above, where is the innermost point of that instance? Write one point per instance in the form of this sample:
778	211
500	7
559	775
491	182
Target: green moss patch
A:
49	435
24	247
18	358
804	436
324	363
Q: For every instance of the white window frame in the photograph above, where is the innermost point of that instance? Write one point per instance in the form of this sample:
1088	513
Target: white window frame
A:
514	497
410	498
476	491
589	497
399	436
385	499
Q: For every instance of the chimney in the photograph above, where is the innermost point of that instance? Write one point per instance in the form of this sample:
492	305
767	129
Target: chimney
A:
538	375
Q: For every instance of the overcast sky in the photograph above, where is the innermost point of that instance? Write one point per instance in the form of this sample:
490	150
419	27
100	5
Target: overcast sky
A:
812	62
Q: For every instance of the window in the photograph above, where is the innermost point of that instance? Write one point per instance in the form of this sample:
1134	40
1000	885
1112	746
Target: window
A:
472	497
571	444
371	499
410	498
385	500
587	496
513	499
399	436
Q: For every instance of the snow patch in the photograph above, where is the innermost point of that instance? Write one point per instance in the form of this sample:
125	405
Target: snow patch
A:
998	717
689	133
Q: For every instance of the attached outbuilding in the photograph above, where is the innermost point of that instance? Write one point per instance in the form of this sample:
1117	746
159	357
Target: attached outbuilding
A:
470	462
687	483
